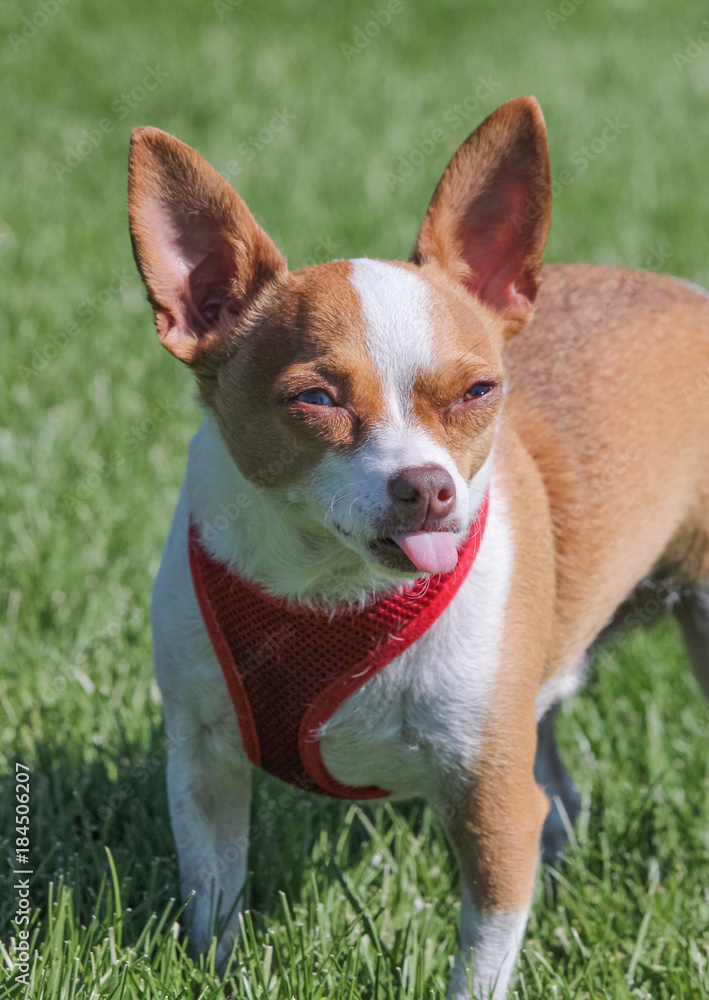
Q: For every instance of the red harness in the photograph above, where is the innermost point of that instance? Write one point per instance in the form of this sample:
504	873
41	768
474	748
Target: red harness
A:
288	668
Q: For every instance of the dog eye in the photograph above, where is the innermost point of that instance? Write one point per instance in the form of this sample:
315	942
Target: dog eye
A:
477	390
316	397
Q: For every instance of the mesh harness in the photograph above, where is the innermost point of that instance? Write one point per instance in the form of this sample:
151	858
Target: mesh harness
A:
288	667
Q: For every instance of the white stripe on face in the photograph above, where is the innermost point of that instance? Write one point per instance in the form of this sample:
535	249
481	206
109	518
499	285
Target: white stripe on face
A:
396	312
399	339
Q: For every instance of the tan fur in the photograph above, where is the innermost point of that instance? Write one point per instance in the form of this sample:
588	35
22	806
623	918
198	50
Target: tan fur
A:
618	426
497	831
311	336
468	341
617	430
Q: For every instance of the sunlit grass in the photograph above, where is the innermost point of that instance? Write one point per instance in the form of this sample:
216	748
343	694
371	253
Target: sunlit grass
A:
94	422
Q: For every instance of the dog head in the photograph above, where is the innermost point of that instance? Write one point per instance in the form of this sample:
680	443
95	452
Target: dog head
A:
365	391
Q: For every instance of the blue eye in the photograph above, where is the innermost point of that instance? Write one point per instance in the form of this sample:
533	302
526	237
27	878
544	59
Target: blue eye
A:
316	397
477	390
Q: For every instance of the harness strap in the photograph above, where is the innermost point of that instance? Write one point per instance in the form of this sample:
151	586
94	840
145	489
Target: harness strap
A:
288	668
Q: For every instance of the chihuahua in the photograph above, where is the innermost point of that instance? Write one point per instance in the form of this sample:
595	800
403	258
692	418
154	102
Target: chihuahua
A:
419	494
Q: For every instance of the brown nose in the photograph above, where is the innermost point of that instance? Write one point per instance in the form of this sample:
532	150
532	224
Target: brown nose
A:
423	494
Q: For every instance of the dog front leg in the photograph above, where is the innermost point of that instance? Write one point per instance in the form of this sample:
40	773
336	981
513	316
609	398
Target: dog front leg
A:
210	797
497	842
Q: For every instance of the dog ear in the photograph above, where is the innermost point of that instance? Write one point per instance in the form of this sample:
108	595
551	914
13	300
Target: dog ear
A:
488	220
201	254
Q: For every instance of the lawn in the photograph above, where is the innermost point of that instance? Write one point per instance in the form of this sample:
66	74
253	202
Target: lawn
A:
334	121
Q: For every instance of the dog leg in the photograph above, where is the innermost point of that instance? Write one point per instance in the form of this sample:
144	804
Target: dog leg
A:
692	612
553	777
498	848
209	797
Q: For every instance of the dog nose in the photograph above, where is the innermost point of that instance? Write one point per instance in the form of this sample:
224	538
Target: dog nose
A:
423	493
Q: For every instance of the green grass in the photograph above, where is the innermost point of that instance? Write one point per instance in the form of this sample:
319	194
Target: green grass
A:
94	423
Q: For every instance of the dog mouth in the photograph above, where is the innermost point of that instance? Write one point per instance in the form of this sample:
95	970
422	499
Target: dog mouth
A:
426	551
388	554
412	551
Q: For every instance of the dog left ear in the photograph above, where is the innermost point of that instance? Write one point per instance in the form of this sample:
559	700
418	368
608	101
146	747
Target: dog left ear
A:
200	252
489	217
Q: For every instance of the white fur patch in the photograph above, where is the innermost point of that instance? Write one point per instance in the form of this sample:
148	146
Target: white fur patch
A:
563	684
423	717
490	941
396	311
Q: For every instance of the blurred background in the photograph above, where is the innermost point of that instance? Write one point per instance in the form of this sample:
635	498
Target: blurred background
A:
334	122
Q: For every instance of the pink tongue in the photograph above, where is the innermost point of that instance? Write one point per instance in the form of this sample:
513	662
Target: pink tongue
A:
429	551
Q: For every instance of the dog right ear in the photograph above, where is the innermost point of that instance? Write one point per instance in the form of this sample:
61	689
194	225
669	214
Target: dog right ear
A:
201	254
488	220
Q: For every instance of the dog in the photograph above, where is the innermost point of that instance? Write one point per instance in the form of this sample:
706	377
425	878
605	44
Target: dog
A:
420	493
